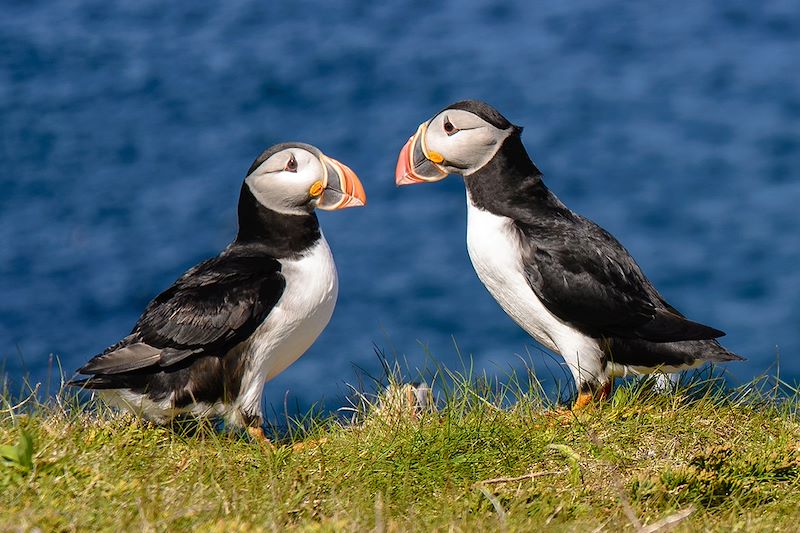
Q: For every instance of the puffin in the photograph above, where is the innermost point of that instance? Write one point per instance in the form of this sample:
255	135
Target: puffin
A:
206	346
565	280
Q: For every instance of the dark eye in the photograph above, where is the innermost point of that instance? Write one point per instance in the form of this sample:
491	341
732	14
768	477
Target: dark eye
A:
448	127
291	164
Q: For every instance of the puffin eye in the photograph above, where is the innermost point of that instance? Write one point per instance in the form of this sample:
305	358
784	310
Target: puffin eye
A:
449	129
291	164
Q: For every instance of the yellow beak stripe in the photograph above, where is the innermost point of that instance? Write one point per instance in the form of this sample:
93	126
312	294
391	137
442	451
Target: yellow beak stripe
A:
316	189
436	157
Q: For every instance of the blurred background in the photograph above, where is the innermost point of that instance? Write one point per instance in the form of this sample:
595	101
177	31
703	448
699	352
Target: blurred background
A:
126	128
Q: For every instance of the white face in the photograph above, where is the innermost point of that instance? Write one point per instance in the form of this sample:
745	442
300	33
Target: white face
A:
284	182
464	140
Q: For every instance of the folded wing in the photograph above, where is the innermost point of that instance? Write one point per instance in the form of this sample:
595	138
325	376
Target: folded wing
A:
587	279
211	308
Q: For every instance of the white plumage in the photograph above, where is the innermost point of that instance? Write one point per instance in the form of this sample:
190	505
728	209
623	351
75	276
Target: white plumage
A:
305	308
494	249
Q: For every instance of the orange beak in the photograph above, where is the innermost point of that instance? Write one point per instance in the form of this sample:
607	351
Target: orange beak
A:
342	187
414	165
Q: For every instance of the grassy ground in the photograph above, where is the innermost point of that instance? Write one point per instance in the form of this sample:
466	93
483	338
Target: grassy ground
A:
698	459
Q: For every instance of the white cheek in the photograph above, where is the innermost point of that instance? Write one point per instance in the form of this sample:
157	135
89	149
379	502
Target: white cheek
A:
279	193
438	141
467	149
259	186
472	145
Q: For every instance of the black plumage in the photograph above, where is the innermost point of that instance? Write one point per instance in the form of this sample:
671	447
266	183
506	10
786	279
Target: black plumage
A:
188	345
279	235
486	112
580	272
209	310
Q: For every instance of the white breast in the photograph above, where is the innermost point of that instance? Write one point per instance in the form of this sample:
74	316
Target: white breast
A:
494	249
294	324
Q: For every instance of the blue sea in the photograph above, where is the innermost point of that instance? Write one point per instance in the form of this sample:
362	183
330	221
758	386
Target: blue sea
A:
126	128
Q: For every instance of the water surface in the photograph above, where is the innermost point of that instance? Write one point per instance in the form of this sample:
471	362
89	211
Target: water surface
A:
127	128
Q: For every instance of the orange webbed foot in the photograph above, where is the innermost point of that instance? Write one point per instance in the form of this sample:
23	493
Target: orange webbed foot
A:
585	399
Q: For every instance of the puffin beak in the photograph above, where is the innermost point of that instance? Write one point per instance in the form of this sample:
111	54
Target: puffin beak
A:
342	187
416	164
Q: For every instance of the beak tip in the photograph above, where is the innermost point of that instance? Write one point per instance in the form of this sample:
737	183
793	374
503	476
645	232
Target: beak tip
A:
355	201
348	192
402	169
401	180
405	172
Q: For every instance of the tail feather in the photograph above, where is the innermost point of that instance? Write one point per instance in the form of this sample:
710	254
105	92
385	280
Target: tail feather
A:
717	353
671	327
121	359
97	382
641	353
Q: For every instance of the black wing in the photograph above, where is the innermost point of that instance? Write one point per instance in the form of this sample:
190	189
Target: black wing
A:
211	308
584	276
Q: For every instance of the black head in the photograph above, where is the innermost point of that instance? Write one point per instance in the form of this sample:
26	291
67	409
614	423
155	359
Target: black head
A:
484	111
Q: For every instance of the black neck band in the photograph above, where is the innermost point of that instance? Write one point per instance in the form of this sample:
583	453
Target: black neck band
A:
282	234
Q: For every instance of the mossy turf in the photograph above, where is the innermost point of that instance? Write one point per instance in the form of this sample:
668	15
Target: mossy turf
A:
697	459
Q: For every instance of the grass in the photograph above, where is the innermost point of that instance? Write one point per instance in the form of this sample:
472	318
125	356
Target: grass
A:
491	458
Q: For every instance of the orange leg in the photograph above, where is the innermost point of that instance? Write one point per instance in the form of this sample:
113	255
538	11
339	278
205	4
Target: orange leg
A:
584	399
257	434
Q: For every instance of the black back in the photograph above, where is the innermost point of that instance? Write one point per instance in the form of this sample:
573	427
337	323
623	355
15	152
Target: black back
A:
188	332
579	271
186	339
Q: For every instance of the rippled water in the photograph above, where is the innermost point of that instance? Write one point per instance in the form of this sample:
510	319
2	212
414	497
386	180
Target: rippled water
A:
128	126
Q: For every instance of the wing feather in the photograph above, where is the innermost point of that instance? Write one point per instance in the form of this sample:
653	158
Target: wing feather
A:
124	359
584	276
208	310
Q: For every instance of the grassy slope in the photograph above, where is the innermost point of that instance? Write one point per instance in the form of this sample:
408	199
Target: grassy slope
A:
632	462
